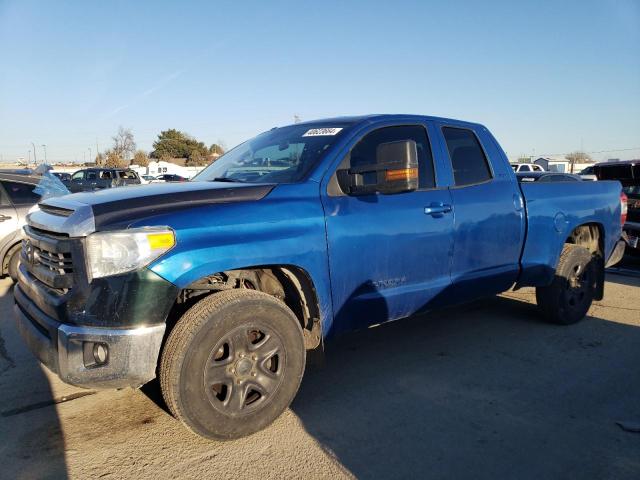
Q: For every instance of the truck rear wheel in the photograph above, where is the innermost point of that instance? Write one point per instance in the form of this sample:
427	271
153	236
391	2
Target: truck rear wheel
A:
232	364
568	298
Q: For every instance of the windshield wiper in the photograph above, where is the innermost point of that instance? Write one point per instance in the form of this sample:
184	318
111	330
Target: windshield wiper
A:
225	179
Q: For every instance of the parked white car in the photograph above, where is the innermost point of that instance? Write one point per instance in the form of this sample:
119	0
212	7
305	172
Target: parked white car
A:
526	167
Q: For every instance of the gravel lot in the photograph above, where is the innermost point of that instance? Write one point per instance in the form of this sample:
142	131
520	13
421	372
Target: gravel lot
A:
482	391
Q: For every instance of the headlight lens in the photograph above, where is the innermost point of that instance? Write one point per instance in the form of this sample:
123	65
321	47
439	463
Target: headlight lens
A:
111	253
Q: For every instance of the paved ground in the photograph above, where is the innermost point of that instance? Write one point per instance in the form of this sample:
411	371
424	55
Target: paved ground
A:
484	391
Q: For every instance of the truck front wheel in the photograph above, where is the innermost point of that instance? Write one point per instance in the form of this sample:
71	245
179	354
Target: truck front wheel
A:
232	364
568	298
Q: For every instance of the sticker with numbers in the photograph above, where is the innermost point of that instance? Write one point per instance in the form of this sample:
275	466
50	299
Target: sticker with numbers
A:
318	132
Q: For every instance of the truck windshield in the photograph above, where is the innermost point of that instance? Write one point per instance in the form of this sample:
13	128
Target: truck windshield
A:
281	155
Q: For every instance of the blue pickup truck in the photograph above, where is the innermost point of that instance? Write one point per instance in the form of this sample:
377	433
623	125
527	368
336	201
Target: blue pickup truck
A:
223	286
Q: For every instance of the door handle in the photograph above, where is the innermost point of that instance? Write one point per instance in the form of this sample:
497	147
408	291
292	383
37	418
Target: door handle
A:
4	217
437	209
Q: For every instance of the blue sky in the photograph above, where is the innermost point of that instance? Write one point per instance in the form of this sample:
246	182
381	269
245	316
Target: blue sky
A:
546	77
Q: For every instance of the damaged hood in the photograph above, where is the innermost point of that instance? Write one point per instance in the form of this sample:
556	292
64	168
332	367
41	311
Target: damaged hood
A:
82	213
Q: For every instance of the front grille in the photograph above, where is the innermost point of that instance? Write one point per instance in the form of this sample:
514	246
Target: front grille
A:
60	263
48	257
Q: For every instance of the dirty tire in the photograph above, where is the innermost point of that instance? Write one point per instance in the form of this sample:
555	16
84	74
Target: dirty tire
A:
232	364
14	261
568	298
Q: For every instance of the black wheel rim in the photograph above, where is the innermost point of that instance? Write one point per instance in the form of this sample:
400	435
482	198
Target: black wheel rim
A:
244	370
579	284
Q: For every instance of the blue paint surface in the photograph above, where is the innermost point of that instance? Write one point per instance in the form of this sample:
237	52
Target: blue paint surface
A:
376	258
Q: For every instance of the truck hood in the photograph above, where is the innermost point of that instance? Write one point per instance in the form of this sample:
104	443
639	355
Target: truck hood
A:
79	214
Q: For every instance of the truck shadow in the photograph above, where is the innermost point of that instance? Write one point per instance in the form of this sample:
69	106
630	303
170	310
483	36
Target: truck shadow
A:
486	390
31	439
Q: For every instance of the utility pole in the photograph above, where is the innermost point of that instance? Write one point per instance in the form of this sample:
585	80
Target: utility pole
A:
45	152
29	157
97	150
35	157
90	157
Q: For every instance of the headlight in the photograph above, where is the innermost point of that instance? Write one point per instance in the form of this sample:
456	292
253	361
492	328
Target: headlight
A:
111	253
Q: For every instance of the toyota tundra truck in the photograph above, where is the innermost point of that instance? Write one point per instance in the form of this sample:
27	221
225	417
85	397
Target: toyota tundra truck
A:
223	286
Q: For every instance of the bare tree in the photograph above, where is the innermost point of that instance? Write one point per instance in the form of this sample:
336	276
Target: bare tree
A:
114	160
123	143
577	157
141	158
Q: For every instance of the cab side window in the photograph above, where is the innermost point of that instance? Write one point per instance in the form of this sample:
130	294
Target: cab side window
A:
364	153
468	160
77	177
91	175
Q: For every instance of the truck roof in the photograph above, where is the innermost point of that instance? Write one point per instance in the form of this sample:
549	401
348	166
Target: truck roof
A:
353	119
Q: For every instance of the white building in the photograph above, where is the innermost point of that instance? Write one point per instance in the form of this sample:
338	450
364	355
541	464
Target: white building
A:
160	167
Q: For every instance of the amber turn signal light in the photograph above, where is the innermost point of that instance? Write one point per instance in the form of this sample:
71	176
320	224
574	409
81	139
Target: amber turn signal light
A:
401	174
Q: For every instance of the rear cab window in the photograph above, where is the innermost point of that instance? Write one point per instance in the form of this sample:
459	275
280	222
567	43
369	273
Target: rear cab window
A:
468	160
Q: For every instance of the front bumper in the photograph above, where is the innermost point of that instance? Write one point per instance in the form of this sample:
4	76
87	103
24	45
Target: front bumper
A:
67	350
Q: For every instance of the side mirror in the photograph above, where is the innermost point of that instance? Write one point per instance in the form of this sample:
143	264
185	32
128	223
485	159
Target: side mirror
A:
395	171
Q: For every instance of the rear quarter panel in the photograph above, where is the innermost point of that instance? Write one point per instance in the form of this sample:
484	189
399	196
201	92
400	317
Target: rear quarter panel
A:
553	211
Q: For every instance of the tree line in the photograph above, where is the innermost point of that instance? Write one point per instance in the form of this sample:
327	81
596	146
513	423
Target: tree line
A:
170	144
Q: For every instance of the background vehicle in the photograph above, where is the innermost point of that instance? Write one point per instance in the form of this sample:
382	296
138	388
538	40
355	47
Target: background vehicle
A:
547	177
168	177
588	173
91	179
16	198
526	167
357	221
63	176
627	173
147	178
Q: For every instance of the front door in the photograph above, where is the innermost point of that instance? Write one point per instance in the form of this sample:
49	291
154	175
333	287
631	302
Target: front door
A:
389	255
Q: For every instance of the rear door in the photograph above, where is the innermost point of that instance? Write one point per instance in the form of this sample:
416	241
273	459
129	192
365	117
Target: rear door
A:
388	254
489	214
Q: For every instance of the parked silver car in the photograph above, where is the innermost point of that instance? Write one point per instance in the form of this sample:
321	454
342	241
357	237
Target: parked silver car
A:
17	196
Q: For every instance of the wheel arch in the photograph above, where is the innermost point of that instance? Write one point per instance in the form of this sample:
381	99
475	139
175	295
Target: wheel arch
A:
290	283
6	256
591	236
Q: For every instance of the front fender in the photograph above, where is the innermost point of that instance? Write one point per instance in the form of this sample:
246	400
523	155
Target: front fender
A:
287	228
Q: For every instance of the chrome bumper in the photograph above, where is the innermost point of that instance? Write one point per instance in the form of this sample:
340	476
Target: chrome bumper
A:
67	350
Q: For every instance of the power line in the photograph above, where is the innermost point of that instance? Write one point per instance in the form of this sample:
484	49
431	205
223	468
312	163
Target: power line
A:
595	151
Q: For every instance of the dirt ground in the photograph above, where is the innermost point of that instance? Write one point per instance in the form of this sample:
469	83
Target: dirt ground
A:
482	391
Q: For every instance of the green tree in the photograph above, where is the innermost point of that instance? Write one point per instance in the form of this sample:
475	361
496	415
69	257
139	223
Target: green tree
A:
141	158
195	159
177	144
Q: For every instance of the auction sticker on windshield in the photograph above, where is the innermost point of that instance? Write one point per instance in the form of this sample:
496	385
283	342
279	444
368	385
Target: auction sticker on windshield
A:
317	132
